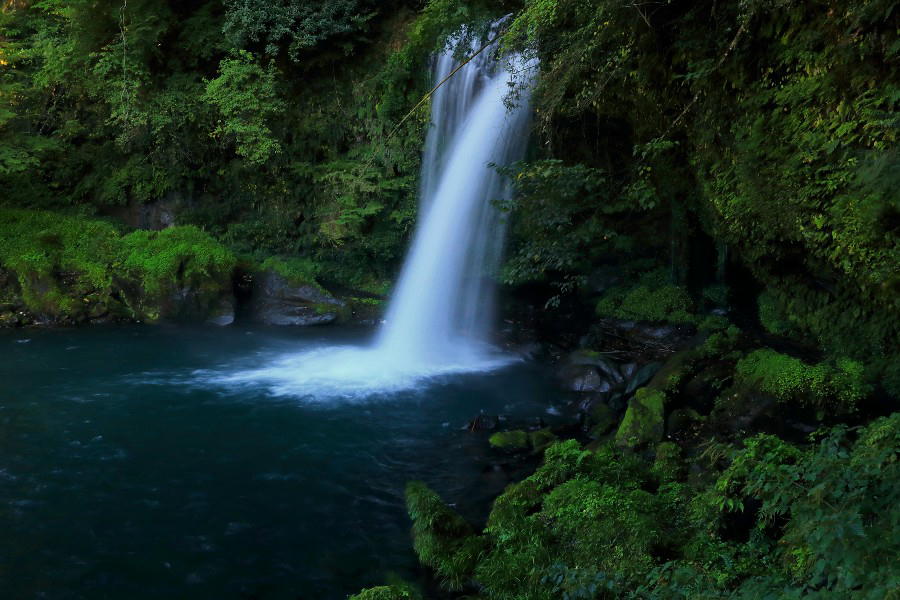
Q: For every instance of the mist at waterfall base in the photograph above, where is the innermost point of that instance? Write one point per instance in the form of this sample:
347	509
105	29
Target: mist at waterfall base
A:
439	319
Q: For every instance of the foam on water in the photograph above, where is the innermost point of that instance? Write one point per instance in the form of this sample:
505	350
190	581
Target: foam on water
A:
350	372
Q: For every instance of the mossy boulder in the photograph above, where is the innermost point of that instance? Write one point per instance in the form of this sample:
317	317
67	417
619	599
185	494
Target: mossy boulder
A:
59	269
509	440
180	273
522	440
385	592
644	420
286	292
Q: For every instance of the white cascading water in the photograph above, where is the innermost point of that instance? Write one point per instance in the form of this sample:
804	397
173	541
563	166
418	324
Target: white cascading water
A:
443	304
438	321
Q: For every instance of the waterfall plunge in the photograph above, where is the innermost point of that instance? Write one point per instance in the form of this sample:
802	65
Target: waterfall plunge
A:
443	304
439	317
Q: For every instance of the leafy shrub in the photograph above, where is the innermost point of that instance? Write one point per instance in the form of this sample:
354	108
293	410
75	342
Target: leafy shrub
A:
245	95
838	498
652	299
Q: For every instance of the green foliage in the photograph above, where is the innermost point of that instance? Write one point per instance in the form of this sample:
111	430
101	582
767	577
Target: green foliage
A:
585	526
653	298
162	259
295	270
555	215
771	316
246	97
300	24
839	498
442	539
387	592
765	124
789	379
69	267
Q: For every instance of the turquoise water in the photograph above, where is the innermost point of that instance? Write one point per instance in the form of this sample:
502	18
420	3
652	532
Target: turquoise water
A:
132	465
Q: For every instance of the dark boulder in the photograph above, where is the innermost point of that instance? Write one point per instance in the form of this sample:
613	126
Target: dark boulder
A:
276	301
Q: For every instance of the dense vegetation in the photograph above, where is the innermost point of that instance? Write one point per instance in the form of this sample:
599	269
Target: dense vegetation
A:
727	168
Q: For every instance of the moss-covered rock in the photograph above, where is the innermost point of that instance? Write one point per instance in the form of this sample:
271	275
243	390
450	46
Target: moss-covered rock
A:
177	273
509	440
386	592
442	539
69	269
285	292
644	419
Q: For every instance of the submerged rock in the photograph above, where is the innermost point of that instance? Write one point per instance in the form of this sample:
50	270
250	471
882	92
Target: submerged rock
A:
483	423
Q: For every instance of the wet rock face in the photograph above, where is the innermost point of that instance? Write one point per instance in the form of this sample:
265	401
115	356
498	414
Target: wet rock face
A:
584	378
278	302
223	313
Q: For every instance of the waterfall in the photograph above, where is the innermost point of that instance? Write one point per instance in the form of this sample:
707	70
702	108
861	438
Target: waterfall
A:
442	307
438	321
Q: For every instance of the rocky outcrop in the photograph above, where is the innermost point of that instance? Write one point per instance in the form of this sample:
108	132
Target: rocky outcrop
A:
278	301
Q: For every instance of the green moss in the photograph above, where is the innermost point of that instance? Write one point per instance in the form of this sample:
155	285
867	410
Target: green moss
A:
668	464
644	419
442	539
771	315
509	440
47	251
295	270
386	592
713	323
652	299
791	380
160	259
161	263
